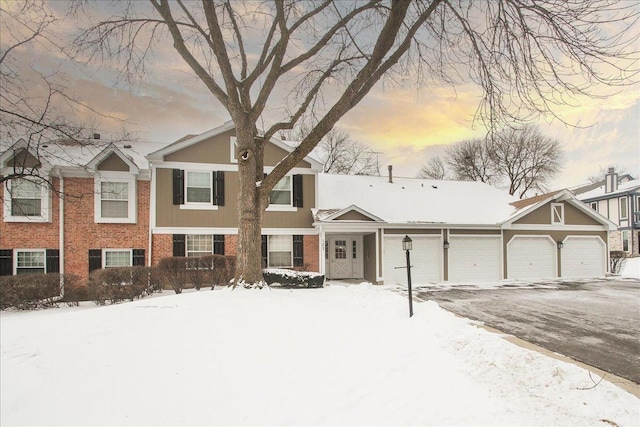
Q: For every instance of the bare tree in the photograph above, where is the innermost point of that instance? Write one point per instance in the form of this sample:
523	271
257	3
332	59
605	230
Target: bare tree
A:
435	168
471	160
340	154
327	56
526	159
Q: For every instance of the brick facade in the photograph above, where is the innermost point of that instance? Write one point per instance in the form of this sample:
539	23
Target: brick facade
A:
311	255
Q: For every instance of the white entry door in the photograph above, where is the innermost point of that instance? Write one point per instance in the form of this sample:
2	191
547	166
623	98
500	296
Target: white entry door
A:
345	260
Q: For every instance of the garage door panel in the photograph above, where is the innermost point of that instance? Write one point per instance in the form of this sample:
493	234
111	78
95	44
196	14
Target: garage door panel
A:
531	257
474	258
583	257
426	260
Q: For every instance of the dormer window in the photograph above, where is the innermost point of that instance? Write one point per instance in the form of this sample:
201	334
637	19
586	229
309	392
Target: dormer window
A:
557	214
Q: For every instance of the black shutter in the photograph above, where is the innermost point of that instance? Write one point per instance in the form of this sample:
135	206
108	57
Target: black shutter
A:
218	244
218	188
52	257
6	262
178	187
179	244
138	257
297	191
298	251
264	251
95	259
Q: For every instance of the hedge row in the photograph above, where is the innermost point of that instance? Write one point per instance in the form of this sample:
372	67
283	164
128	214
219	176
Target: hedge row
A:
31	291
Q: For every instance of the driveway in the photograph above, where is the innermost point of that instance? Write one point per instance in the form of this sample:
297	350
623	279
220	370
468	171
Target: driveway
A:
597	323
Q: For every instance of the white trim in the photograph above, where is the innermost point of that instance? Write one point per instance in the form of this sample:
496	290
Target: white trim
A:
231	230
544	227
45	204
15	257
132	200
106	152
222	167
452	237
626	202
604	246
199	207
281	208
352	208
233	143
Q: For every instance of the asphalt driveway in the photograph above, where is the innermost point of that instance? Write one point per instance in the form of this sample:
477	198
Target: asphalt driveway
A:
597	323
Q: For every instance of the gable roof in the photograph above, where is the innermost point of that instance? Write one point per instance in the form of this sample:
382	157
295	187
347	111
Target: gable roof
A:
190	140
523	203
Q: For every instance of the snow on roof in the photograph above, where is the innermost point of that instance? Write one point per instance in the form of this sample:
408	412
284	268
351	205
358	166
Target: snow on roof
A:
600	191
413	200
68	154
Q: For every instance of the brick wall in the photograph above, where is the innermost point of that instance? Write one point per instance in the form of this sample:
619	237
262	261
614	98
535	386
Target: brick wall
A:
162	247
310	248
83	233
32	234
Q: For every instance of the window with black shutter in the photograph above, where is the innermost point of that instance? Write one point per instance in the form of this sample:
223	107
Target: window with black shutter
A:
264	251
52	259
179	247
6	262
298	251
297	191
138	257
178	187
218	188
218	244
95	259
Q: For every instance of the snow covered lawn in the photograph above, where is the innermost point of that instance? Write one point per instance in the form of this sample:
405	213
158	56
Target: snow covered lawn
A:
338	355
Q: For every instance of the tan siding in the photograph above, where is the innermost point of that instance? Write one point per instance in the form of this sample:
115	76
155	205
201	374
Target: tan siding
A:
22	159
212	150
302	218
353	216
369	246
572	216
113	163
476	232
410	231
273	155
170	215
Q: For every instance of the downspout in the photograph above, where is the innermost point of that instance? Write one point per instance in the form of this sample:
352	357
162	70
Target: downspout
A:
61	232
152	219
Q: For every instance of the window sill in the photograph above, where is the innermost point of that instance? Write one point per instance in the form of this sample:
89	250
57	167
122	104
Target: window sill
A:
276	208
115	221
25	219
203	207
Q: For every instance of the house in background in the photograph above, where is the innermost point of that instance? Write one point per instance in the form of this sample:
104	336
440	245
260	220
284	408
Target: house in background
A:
88	210
136	204
618	199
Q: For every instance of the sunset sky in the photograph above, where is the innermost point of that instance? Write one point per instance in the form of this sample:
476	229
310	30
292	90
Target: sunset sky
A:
406	125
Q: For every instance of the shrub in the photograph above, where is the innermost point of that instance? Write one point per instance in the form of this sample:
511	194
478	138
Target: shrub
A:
74	290
172	273
617	260
29	291
118	284
210	270
293	279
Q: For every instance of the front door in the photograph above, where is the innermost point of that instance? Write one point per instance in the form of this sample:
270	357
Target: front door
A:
344	257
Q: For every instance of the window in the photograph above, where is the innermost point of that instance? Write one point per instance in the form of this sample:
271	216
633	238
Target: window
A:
115	200
280	251
625	241
26	200
624	211
594	206
557	213
117	258
341	249
198	187
30	261
281	193
199	245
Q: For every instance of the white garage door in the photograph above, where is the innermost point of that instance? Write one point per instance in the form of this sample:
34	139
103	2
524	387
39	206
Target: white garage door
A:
474	258
426	260
583	257
531	257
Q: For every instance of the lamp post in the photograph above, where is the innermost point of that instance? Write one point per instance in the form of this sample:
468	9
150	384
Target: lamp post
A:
407	245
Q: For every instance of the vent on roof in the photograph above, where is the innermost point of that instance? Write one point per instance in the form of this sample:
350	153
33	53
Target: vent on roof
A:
96	136
127	146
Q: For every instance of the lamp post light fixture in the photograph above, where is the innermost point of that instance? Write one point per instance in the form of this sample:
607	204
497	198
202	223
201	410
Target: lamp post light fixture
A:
407	245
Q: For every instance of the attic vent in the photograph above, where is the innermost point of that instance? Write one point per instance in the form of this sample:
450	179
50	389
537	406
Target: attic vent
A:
127	146
96	136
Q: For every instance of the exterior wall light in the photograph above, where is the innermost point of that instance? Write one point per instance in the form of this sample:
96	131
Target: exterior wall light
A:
445	245
560	244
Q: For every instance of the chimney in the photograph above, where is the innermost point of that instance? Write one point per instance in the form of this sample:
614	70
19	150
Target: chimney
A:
611	181
391	174
96	136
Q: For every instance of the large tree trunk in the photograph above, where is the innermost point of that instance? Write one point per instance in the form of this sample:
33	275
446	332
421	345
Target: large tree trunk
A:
251	204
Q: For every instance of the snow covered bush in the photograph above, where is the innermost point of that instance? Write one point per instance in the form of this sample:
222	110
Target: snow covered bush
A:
29	291
617	260
293	279
179	272
113	285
